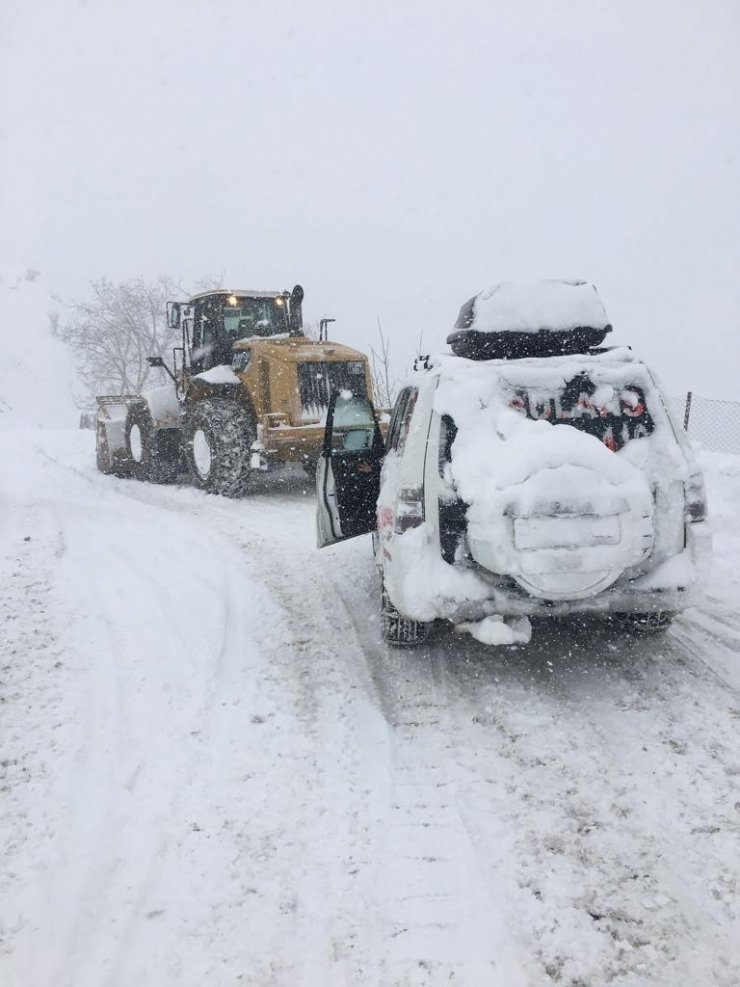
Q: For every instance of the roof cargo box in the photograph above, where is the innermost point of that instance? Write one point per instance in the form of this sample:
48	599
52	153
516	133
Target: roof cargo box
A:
530	318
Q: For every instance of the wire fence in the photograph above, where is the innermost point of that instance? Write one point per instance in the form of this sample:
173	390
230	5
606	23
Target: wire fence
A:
713	423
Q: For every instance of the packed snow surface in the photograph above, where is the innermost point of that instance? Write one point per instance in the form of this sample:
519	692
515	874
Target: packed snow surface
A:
214	772
530	306
496	631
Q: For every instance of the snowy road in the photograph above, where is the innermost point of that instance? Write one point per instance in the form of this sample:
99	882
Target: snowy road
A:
214	772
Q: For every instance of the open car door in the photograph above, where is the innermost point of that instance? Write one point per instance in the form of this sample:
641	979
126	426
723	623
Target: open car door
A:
348	471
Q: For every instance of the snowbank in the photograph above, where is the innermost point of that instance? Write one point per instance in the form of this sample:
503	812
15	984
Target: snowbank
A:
37	376
722	473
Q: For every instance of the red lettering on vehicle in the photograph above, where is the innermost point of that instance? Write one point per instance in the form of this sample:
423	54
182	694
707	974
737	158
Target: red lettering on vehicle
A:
385	518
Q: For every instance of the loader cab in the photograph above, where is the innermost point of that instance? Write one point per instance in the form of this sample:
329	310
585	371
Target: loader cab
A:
221	318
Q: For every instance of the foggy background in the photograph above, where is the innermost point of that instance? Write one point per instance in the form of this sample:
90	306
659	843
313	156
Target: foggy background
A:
394	158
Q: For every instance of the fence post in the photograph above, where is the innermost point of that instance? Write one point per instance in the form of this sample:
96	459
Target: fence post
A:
687	411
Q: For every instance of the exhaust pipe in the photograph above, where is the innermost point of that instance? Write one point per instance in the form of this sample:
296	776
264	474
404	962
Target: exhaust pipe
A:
296	311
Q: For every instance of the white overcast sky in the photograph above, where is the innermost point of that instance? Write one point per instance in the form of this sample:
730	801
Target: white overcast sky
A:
393	157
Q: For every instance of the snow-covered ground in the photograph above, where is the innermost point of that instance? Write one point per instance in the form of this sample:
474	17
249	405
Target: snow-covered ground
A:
214	772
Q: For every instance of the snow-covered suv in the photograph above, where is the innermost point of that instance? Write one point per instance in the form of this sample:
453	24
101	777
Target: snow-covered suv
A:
509	488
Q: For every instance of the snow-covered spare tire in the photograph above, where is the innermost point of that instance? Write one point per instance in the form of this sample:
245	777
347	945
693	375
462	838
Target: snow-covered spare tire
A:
554	509
218	435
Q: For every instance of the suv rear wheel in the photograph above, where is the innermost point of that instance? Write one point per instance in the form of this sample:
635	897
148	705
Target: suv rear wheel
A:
218	437
645	623
397	630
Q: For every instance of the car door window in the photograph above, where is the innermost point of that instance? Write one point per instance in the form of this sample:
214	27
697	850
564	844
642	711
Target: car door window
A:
401	419
392	437
408	413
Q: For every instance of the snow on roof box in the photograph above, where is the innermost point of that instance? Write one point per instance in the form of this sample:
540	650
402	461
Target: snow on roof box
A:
530	318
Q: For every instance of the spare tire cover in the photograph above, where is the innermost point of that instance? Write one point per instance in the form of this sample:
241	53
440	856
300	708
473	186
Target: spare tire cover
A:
563	530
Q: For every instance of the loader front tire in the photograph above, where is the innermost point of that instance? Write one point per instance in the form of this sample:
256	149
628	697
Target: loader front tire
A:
218	436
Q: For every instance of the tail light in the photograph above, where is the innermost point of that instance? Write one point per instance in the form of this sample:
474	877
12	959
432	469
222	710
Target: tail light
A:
409	509
695	499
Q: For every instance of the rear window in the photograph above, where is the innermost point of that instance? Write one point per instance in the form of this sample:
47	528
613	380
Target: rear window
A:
613	415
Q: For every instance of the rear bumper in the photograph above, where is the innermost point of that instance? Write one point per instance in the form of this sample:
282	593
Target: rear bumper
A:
509	604
470	594
671	586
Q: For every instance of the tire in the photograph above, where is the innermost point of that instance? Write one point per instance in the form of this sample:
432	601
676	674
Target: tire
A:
103	458
645	623
218	437
398	631
152	455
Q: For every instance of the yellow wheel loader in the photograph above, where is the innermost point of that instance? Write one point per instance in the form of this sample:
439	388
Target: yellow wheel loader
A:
248	391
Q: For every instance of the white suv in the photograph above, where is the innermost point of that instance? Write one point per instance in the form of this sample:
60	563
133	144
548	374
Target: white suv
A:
510	488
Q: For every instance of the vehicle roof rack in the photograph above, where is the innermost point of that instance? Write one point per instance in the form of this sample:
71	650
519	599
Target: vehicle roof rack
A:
515	320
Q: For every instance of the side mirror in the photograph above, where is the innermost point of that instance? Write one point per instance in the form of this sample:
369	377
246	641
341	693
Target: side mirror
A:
173	315
157	361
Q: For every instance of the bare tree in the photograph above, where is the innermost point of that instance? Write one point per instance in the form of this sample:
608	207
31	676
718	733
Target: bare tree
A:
113	333
385	385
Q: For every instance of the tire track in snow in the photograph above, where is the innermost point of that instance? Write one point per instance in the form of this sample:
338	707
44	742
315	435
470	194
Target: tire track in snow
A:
578	752
419	912
584	800
443	921
32	677
312	671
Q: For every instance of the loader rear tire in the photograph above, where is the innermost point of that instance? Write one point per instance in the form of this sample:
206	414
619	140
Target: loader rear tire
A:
149	458
218	438
102	450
